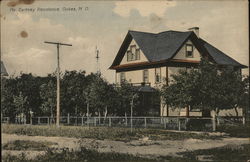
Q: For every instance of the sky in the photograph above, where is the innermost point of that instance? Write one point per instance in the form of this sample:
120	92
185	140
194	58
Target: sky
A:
104	24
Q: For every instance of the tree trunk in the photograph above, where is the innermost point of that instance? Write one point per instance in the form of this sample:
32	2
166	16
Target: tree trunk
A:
106	111
217	115
236	111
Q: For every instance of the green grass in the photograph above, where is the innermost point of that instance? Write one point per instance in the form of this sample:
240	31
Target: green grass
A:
28	145
118	134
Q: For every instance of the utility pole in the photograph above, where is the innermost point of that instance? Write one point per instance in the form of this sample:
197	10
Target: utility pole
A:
58	80
98	71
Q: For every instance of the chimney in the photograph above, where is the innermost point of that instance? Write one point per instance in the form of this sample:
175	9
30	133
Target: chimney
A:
195	30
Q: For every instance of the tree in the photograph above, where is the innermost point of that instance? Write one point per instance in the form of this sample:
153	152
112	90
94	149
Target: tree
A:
208	87
8	90
101	96
21	103
125	94
48	96
73	86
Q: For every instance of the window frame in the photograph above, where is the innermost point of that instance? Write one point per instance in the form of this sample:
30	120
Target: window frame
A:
143	76
137	54
159	75
192	51
129	55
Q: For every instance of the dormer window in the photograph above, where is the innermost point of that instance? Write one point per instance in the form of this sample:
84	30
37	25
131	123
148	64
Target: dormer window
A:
133	53
137	54
129	56
189	50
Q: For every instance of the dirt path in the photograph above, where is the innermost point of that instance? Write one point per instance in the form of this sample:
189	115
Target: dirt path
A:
142	147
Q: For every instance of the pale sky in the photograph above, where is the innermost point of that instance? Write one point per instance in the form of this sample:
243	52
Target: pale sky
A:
224	24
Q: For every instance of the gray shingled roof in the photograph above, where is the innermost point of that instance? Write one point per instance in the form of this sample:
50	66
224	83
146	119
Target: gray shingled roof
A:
218	56
3	70
162	46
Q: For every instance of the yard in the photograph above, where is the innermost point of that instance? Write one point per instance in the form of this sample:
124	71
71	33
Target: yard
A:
43	143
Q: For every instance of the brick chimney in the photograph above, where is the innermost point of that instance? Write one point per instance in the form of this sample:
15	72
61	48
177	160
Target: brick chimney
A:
195	30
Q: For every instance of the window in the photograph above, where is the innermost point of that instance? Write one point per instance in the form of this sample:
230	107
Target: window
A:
157	75
133	48
137	54
133	53
145	76
189	50
129	56
122	77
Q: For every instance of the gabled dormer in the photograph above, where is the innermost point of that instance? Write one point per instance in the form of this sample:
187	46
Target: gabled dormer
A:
133	54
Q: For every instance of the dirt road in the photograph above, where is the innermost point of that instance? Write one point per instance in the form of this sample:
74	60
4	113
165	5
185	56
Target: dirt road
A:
142	147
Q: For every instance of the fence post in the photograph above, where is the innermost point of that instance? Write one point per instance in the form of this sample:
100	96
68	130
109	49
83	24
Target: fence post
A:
38	121
126	121
243	120
214	123
110	121
48	120
218	120
68	119
95	120
82	120
179	124
165	122
145	122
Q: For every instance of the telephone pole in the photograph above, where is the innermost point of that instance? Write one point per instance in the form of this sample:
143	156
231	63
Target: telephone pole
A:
58	80
98	71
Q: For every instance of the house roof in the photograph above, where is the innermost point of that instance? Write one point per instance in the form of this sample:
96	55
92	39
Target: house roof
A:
3	70
164	46
220	57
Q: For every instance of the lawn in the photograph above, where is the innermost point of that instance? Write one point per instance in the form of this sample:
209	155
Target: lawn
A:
227	153
28	145
118	134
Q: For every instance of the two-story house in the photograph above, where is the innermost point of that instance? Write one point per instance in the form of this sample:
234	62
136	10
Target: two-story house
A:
150	59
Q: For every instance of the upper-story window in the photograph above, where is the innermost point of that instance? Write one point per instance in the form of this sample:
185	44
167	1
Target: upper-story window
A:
157	75
145	76
122	77
189	50
133	53
137	54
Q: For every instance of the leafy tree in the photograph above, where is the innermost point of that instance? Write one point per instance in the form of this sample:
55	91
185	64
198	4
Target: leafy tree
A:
73	86
101	96
20	102
125	94
208	87
48	96
8	90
